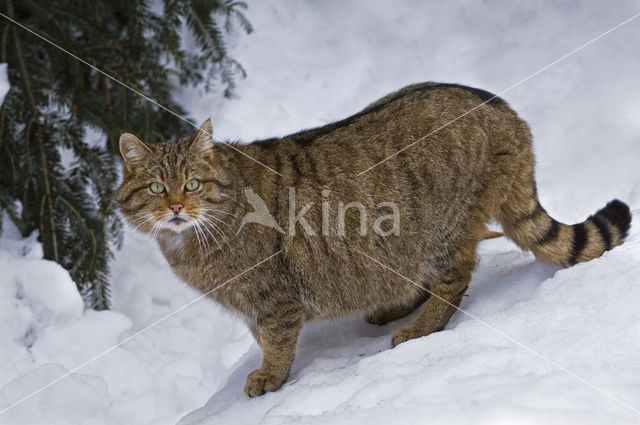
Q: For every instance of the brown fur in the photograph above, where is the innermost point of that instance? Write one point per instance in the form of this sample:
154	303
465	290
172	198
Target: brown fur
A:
477	168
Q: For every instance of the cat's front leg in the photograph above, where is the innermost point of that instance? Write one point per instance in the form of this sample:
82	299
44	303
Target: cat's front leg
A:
278	337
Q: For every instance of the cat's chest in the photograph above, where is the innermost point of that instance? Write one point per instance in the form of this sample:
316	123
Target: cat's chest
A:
220	274
173	244
193	270
186	262
205	272
218	281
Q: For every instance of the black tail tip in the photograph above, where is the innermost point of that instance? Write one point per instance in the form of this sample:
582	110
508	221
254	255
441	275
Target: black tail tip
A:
618	214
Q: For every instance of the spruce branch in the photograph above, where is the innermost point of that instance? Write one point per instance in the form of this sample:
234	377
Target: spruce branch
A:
51	178
53	249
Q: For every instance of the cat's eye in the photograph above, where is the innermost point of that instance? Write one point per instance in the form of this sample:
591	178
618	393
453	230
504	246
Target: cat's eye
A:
192	185
156	188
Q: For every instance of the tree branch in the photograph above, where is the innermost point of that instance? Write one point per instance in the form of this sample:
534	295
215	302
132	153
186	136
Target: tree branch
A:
43	157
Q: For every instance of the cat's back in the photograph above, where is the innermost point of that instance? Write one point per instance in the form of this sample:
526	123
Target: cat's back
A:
427	125
419	111
413	107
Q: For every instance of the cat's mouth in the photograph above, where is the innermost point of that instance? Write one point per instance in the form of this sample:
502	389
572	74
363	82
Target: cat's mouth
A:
177	223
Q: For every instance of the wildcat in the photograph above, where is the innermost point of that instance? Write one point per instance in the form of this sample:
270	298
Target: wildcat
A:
473	167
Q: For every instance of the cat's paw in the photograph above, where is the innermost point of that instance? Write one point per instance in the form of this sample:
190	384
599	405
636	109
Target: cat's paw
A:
259	382
403	335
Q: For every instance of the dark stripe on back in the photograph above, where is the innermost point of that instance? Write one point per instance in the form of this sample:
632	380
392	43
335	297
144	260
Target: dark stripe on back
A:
579	242
295	168
126	199
550	234
485	96
307	136
267	143
603	229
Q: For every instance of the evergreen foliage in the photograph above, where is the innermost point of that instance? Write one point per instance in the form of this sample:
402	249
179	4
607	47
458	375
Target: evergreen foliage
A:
55	100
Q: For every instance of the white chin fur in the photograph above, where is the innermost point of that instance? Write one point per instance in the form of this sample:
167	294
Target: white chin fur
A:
177	227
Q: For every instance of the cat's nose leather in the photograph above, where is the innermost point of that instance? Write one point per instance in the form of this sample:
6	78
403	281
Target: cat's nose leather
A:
176	208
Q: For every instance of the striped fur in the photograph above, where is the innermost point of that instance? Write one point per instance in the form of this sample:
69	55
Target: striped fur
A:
566	245
472	168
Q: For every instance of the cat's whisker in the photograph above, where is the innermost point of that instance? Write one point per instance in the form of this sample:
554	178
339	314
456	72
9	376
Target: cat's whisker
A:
139	213
140	223
206	240
219	220
143	217
199	226
206	223
146	220
200	241
224	236
140	216
210	217
157	229
195	230
215	227
154	231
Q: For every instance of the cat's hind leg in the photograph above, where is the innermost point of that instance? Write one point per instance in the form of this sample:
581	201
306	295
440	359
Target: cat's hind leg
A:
445	297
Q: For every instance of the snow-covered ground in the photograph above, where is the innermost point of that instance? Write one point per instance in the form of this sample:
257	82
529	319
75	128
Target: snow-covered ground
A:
312	62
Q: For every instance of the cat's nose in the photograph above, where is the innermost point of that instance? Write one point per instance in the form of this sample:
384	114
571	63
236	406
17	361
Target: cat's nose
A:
176	208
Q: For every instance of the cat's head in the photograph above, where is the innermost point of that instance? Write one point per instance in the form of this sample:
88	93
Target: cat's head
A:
173	185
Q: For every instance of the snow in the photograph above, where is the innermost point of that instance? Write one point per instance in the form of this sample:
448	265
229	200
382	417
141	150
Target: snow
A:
311	63
153	378
581	318
4	81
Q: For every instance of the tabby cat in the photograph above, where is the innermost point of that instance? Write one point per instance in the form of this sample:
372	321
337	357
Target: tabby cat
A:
426	205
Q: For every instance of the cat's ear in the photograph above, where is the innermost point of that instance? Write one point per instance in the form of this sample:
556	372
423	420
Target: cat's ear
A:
202	143
132	148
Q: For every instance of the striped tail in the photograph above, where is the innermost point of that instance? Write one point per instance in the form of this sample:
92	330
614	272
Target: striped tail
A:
565	245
